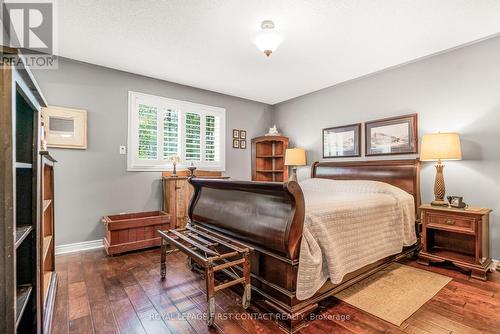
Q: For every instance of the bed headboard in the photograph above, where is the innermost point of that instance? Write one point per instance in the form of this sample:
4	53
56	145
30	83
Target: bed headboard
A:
404	174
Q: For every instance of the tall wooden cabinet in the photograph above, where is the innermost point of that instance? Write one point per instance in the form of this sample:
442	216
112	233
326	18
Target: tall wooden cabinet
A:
177	193
268	159
20	185
48	275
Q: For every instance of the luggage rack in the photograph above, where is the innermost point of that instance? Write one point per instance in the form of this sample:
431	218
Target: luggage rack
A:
213	252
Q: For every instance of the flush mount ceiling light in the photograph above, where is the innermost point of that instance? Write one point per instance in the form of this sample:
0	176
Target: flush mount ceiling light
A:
268	39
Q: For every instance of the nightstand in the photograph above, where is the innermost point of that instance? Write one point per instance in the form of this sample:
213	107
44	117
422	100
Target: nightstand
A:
460	236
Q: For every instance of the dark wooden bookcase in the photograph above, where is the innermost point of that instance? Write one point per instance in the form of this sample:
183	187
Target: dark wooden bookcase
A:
21	102
268	159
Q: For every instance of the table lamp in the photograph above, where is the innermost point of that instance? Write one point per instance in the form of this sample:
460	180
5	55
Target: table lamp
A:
439	147
295	157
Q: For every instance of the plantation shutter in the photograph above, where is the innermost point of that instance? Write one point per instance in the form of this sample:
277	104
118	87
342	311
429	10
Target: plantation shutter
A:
148	132
193	137
212	128
170	133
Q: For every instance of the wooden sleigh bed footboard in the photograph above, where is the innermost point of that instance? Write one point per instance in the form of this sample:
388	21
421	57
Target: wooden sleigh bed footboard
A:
269	217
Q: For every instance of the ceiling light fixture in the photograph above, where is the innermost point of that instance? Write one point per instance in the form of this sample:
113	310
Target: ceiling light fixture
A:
268	39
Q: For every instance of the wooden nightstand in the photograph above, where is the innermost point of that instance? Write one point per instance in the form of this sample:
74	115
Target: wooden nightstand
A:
460	236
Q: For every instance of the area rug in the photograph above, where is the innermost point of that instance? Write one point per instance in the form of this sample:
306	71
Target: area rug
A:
394	293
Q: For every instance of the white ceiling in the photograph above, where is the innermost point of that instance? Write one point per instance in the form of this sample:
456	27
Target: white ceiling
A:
208	43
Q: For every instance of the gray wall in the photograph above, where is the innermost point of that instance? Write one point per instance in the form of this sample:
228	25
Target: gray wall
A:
454	91
95	182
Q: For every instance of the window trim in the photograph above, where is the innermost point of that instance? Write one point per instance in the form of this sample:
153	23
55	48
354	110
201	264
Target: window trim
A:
182	107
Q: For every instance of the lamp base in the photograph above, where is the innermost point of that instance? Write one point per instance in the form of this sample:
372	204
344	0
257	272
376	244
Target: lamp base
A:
439	203
293	175
439	188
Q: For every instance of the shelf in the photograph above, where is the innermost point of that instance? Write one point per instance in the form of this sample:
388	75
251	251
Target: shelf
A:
23	165
269	171
270	156
46	245
451	254
46	204
23	293
50	286
22	231
47	155
47	280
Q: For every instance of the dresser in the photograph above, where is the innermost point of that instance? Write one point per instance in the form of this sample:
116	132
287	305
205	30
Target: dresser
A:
460	236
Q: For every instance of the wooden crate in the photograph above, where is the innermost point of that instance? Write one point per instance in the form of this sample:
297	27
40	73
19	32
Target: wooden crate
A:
133	231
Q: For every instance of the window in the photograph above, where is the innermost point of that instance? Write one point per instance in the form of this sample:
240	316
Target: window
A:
160	127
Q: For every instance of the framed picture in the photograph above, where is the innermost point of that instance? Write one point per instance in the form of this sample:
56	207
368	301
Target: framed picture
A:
243	144
243	134
396	135
236	143
236	133
342	141
65	127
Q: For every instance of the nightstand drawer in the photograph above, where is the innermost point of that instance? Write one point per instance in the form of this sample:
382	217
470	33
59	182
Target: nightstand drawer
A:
450	222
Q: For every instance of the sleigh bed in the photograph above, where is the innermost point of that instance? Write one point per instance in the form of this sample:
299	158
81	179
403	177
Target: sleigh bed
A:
269	217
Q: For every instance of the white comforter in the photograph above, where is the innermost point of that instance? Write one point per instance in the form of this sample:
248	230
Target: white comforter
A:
350	224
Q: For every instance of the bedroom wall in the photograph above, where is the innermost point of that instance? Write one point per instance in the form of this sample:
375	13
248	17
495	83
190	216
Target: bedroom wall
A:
95	182
454	91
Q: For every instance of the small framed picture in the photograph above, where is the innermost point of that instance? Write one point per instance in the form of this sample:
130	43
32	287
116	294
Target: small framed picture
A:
66	127
456	202
236	143
396	135
236	133
243	144
243	134
342	141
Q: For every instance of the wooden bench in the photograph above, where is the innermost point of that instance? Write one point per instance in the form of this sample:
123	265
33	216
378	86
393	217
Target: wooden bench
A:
212	252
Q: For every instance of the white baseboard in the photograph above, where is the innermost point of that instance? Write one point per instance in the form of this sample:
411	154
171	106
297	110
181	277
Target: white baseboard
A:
79	246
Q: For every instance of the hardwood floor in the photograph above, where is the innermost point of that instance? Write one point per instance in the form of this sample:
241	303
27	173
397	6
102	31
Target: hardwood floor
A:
123	294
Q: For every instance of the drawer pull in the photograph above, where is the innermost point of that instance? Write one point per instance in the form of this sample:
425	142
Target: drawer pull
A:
450	221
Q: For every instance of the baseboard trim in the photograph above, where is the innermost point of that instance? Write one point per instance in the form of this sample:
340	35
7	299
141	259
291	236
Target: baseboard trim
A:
79	246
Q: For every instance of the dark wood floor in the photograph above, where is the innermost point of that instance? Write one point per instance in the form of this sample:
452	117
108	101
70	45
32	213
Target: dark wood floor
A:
123	294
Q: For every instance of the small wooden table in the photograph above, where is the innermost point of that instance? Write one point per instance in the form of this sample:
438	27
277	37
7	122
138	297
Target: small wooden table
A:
212	252
460	236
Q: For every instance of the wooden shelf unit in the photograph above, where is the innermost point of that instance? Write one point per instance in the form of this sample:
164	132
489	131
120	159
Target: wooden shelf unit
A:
48	275
268	159
20	102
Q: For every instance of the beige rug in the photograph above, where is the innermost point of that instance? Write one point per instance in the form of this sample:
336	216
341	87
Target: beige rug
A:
395	293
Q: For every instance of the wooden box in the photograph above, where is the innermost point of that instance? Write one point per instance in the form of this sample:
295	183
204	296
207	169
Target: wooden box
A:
133	231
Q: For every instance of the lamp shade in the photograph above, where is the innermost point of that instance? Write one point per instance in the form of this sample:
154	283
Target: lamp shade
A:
295	157
440	146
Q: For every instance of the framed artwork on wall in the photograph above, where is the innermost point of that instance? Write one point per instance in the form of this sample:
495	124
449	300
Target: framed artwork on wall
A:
236	133
236	143
65	127
342	141
243	144
243	134
395	135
